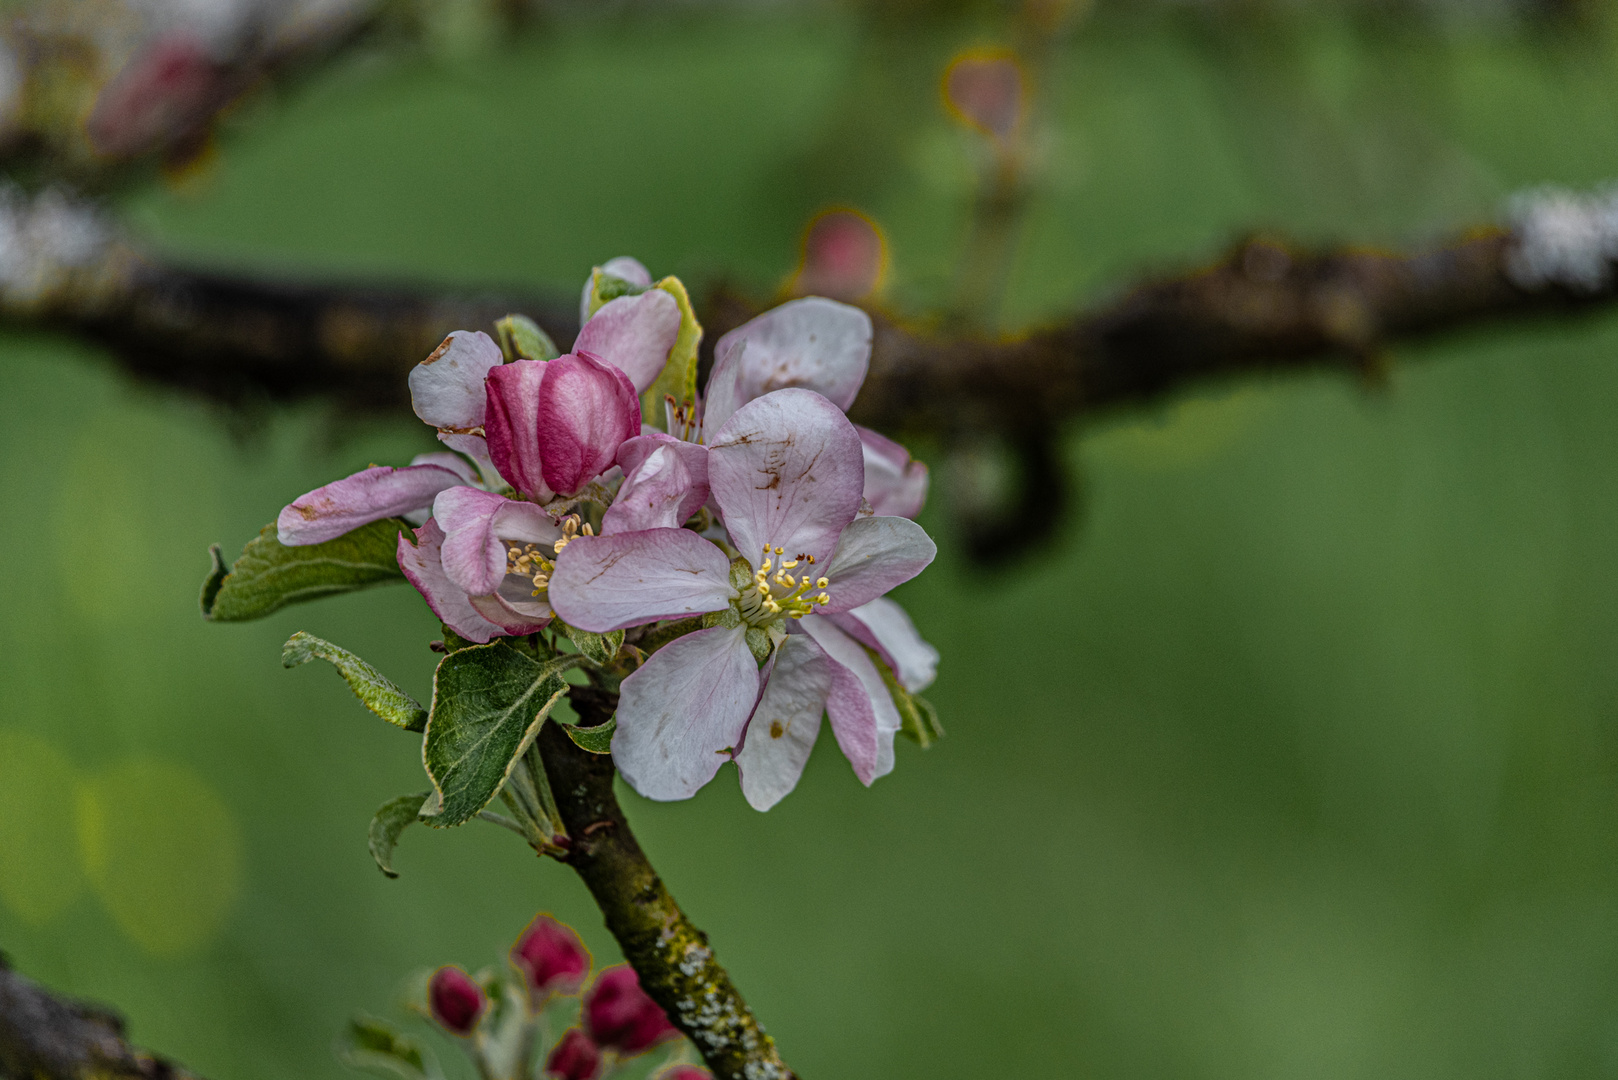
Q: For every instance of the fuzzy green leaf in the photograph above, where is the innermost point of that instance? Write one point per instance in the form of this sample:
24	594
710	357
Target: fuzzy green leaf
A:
522	339
392	818
377	1046
488	704
597	740
375	690
269	576
678	378
599	649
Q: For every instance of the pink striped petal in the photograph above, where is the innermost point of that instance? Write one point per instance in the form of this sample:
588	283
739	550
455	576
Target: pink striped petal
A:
370	495
873	555
786	470
604	583
512	425
683	711
423	568
587	409
446	389
634	334
859	706
814	343
783	729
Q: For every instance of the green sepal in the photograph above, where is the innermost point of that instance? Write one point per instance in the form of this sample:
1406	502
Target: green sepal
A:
599	649
727	617
268	576
605	287
758	641
376	691
521	339
488	704
597	740
377	1046
660	635
918	719
678	379
391	819
454	642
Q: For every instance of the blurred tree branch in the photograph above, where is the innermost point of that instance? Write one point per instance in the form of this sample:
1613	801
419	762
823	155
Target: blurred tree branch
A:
45	1037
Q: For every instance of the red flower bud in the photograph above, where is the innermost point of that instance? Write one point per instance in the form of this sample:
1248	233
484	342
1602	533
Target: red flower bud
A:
575	1058
551	957
456	1000
617	1013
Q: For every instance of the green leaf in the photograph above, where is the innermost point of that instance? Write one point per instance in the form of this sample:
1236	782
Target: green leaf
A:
522	339
678	378
391	819
375	690
377	1046
488	704
599	649
918	720
269	576
597	740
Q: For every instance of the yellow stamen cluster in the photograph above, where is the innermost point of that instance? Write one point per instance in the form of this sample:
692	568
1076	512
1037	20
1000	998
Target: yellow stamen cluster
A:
530	562
572	530
783	594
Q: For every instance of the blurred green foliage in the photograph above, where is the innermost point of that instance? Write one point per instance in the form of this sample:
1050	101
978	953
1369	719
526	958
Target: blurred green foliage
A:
1297	758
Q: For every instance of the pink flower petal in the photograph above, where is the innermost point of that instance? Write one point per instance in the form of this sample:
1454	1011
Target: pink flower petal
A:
446	389
587	409
634	334
784	726
680	714
475	447
786	470
455	463
606	583
512	425
814	343
370	495
622	267
859	706
477	526
876	554
666	481
884	626
895	485
423	567
508	618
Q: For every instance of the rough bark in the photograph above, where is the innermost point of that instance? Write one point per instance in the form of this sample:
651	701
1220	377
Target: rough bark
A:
675	963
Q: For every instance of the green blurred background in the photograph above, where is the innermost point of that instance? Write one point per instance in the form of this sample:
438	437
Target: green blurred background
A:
1295	757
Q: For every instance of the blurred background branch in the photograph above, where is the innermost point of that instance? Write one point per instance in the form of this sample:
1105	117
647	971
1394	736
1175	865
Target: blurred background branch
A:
45	1037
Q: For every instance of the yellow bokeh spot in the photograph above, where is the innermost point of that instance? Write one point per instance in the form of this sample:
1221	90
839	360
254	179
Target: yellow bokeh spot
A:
163	852
39	875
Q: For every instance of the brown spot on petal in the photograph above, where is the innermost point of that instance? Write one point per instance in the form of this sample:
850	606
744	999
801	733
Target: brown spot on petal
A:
439	352
776	730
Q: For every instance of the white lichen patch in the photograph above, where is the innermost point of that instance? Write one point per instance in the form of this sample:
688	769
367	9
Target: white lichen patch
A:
1564	238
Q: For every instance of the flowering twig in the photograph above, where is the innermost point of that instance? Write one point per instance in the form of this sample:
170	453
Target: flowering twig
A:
671	956
45	1037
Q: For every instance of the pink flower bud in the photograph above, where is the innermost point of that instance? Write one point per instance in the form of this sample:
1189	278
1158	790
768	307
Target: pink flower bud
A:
575	1058
551	957
618	1014
984	89
456	1000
